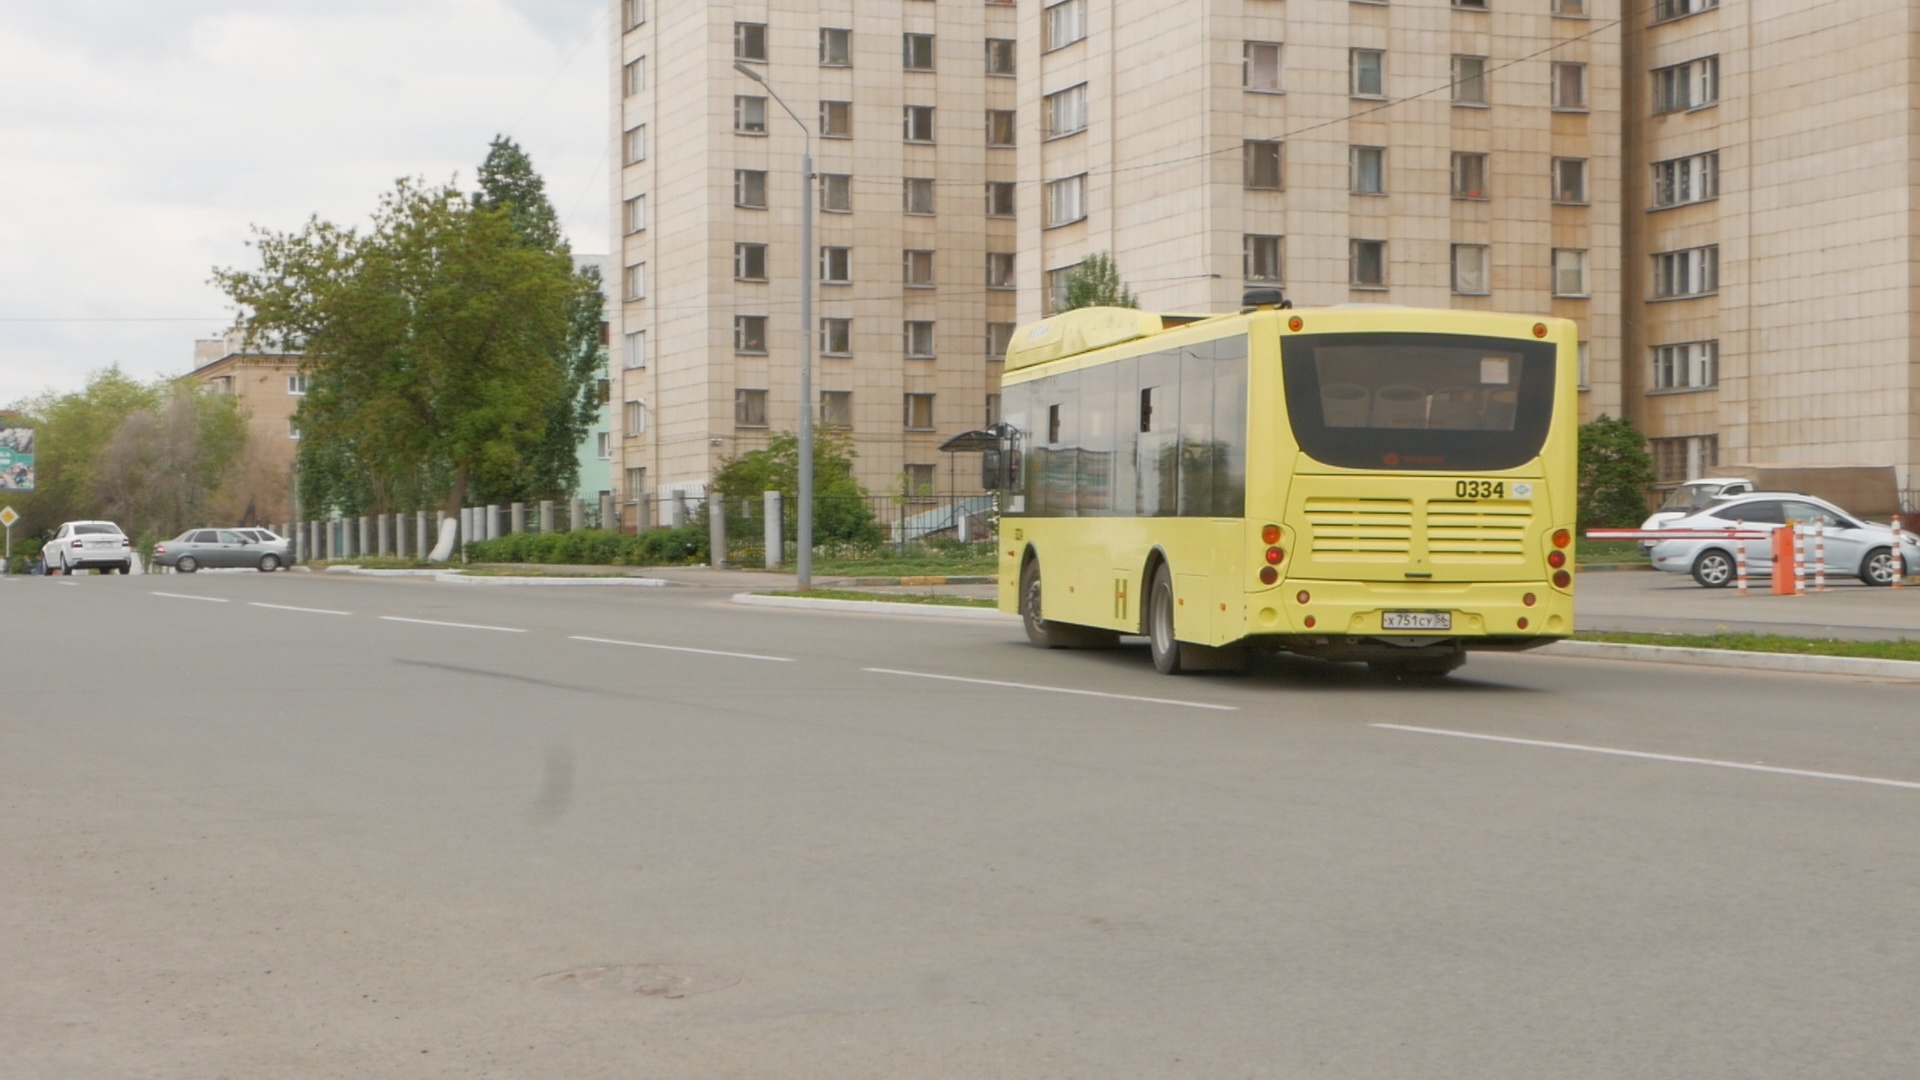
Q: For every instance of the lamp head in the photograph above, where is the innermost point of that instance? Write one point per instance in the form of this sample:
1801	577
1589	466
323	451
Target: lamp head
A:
748	72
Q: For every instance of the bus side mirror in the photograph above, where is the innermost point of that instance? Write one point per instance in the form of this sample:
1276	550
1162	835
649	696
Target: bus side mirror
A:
991	463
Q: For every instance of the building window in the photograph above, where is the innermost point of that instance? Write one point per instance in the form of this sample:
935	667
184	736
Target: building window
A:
917	52
637	281
636	354
919	123
636	418
1066	23
293	428
750	262
636	75
919	269
836	193
1691	85
636	213
749	408
1260	258
297	385
636	481
1000	127
1000	198
836	119
999	336
1469	80
1261	158
636	145
917	195
1693	272
1067	111
1471	5
749	41
1676	461
1569	272
632	13
750	188
1572	9
1675	9
750	334
1689	365
836	265
836	337
1057	287
836	47
1469	175
919	481
1584	383
1470	269
999	269
1686	180
918	412
918	340
1570	180
1066	201
1367	264
1367	170
603	445
1260	65
1570	86
1000	56
750	115
1367	72
836	408
603	390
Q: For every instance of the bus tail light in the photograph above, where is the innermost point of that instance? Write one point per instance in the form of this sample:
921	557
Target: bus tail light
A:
1523	622
1562	579
1539	329
1556	559
1274	555
1309	622
1294	323
1562	537
1303	597
1529	599
1268	575
1270	534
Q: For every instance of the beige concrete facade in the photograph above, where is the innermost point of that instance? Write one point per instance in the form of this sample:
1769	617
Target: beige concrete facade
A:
679	144
269	386
1812	115
1177	94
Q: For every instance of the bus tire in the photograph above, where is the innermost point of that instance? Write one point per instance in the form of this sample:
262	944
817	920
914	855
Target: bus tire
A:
1160	640
1046	634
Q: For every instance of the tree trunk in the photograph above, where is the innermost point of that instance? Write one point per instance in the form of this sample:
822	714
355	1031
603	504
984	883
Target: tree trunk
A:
459	493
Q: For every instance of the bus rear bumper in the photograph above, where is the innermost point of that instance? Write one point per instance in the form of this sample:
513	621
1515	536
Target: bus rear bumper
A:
1500	615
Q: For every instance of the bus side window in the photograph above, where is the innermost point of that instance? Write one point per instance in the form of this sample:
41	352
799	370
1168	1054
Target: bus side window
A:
1053	424
1146	409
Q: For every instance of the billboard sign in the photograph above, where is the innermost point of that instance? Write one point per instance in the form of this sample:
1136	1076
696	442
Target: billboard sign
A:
16	457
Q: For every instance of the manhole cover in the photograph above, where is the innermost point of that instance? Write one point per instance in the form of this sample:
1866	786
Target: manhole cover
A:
640	980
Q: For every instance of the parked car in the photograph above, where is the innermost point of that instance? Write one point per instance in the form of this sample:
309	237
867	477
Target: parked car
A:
86	545
1691	498
1853	547
215	548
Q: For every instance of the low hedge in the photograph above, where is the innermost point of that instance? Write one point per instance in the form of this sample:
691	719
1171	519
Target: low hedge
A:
596	547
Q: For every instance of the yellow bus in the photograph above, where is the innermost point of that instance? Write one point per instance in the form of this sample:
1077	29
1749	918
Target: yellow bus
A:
1387	485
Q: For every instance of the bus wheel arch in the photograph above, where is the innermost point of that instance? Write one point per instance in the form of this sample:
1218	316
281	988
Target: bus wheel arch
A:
1047	634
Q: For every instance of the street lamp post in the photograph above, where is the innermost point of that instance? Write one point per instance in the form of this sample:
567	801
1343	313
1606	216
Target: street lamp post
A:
804	567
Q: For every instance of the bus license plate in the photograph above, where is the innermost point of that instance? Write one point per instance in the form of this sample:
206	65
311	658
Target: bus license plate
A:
1416	620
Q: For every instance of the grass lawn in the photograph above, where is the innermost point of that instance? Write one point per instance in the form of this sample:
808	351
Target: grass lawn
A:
1765	643
911	563
936	599
1608	551
379	562
536	570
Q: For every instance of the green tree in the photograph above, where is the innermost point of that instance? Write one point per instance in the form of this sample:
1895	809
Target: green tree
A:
432	343
1615	473
1096	283
842	512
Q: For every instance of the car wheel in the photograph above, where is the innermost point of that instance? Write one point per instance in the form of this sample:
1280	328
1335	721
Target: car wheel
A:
1160	640
1877	568
126	568
65	570
186	564
1713	569
269	563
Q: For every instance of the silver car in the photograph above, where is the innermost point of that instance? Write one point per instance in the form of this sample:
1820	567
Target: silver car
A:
88	545
270	541
216	548
1853	547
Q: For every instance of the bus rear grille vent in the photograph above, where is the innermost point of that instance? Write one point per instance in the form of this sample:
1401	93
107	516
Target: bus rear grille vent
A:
1360	528
1478	532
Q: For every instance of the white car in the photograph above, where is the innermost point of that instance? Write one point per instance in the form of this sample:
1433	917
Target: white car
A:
87	545
1691	498
1854	548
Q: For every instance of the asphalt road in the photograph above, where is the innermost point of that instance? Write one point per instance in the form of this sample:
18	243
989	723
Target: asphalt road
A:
261	826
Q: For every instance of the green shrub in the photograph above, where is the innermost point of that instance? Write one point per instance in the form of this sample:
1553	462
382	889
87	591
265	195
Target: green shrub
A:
596	547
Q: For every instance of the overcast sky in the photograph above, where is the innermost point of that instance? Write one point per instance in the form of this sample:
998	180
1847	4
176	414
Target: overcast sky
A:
141	141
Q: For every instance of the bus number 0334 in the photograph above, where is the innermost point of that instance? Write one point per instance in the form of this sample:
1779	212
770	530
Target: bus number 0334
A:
1479	489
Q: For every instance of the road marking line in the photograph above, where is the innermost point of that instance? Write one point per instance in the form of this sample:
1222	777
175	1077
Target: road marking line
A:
307	610
1675	758
453	625
184	596
68	584
1055	689
683	648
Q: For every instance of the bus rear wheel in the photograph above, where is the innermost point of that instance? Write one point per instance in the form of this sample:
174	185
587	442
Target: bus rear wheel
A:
1054	635
1160	639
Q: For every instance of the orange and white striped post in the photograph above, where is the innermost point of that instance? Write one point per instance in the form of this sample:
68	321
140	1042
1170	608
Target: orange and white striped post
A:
1740	558
1820	556
1899	560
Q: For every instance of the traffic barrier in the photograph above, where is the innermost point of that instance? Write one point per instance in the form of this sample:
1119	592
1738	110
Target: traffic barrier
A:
1740	559
1819	556
1899	560
1783	572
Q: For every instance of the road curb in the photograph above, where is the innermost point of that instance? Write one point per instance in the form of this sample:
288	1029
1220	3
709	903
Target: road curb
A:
364	572
457	578
1728	658
881	607
933	579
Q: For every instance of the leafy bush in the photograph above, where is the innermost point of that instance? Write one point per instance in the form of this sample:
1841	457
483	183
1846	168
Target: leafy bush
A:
1615	473
596	547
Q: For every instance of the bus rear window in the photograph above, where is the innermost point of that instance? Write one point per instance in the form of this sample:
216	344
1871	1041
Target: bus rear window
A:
1438	402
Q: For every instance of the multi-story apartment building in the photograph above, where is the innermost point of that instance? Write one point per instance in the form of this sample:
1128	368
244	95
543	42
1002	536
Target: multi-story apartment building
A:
1434	153
910	106
269	385
1771	266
